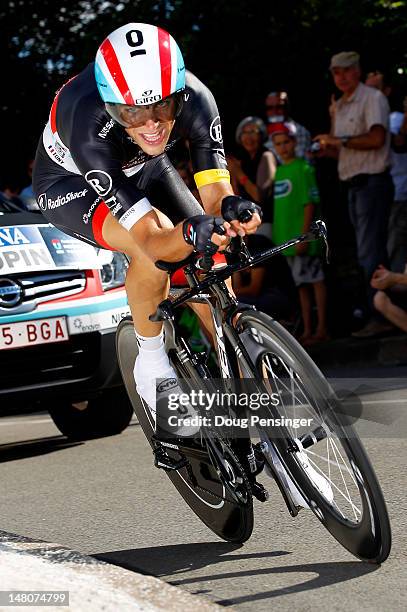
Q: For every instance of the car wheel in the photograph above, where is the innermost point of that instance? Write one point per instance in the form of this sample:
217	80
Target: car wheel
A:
107	415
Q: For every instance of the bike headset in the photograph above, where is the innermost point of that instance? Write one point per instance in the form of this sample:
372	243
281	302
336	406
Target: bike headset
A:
140	72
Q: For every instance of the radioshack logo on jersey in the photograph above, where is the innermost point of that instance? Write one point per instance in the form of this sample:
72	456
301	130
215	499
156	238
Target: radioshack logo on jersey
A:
47	203
215	130
100	180
42	201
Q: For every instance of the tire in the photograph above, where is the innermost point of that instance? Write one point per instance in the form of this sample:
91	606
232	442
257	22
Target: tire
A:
107	415
300	386
198	483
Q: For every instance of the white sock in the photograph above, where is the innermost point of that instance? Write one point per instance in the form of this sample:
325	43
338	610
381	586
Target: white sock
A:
151	364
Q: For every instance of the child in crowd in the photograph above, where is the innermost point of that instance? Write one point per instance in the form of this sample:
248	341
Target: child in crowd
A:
295	198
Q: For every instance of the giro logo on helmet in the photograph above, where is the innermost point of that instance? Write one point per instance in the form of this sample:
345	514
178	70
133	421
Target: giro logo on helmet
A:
148	100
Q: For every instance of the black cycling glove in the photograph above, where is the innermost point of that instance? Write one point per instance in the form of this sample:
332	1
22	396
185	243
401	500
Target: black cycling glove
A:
235	208
198	230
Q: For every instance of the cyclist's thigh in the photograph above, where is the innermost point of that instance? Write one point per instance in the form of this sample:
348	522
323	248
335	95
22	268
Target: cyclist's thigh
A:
167	191
71	205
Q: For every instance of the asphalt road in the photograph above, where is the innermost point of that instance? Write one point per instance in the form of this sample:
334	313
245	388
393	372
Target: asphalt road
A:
105	498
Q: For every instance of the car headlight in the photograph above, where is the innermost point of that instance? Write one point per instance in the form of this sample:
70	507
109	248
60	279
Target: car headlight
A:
113	271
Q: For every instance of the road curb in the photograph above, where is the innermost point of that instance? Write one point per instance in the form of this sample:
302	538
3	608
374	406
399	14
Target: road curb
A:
94	585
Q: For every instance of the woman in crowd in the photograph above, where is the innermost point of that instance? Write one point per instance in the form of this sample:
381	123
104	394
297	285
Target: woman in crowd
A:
253	169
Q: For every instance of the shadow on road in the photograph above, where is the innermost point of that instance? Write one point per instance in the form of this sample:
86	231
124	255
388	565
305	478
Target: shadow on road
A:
168	561
34	448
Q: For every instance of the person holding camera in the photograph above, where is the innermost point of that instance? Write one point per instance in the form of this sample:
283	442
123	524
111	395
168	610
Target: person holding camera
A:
360	139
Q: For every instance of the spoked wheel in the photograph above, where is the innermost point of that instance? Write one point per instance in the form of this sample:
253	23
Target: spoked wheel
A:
226	510
322	453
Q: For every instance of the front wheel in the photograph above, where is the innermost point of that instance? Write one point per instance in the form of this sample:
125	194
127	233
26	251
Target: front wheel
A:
322	454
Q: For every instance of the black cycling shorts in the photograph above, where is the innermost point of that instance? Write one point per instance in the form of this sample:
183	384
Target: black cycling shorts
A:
74	207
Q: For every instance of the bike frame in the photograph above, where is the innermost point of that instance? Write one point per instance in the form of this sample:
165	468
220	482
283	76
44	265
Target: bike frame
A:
224	307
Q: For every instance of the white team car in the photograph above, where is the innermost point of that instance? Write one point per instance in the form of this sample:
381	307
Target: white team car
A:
60	303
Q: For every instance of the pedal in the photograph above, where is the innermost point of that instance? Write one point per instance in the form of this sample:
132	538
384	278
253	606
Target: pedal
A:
259	491
164	462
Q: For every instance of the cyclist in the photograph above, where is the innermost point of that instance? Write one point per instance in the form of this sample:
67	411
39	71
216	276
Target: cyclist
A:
102	173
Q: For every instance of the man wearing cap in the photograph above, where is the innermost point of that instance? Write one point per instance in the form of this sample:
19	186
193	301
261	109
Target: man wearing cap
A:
277	111
360	139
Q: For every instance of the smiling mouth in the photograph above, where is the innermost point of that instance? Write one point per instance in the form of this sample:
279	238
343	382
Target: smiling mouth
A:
154	138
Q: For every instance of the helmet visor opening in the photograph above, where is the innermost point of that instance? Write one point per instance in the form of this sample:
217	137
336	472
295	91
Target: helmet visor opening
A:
130	116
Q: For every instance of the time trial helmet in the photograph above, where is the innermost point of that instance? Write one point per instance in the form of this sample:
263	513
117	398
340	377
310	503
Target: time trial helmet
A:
140	65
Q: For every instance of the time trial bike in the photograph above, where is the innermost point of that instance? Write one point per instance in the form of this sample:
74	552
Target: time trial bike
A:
320	464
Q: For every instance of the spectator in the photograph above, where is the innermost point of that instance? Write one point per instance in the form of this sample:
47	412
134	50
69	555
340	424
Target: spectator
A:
378	80
360	138
295	199
253	170
391	297
397	237
27	194
397	233
269	285
9	190
277	111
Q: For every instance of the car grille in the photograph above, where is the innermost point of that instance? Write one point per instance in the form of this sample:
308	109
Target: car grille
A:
78	357
41	287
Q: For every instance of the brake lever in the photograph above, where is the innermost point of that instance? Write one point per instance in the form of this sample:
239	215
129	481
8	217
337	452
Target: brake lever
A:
205	262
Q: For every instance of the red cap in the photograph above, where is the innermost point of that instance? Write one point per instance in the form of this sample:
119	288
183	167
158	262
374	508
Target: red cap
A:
282	128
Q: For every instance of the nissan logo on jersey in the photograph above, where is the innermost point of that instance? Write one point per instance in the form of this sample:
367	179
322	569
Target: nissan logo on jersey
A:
100	180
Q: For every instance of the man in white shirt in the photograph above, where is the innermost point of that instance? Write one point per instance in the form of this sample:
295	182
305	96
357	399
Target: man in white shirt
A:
360	139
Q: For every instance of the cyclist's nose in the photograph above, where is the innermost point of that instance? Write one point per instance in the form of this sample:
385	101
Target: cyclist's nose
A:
151	122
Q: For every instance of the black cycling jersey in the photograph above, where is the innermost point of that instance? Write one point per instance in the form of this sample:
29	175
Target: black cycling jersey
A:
87	165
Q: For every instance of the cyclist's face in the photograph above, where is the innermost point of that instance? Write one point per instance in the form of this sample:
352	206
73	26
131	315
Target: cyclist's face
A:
148	125
152	136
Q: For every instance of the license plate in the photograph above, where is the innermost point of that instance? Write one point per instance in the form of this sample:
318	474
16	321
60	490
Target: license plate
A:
30	333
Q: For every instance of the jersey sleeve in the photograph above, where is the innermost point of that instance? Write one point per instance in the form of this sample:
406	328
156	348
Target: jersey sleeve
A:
100	162
204	134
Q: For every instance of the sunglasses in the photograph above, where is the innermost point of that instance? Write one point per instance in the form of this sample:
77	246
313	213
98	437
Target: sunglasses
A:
131	116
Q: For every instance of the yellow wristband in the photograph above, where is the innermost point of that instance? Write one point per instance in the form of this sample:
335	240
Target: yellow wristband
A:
207	177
